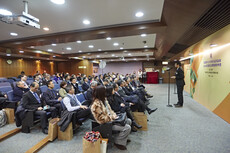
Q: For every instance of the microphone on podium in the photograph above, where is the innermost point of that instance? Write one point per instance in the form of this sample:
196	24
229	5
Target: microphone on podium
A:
169	68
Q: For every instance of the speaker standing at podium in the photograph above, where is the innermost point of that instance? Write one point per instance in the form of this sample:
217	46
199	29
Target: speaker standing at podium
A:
179	76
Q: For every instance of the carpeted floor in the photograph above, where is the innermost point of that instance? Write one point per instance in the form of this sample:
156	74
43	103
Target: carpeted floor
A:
191	129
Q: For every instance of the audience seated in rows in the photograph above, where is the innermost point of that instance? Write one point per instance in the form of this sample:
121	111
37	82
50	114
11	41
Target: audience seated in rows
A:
62	91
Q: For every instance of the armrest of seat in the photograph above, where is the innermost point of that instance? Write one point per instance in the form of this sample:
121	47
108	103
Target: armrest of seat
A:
29	118
51	102
11	104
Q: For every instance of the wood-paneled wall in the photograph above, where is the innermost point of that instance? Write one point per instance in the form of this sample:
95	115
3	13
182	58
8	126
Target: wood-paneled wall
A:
73	67
28	66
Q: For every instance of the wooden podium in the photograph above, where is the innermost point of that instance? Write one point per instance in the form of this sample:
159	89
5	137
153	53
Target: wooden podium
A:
152	77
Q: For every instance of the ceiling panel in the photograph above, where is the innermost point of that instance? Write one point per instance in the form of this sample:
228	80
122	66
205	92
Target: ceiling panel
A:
69	16
101	45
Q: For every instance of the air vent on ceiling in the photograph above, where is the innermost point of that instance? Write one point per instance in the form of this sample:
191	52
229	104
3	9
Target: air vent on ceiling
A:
216	18
177	48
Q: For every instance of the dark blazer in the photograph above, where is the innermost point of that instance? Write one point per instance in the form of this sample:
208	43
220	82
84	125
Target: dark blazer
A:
1	94
89	95
133	83
179	77
101	81
75	86
44	82
121	92
127	92
50	96
118	99
18	92
85	86
115	104
30	102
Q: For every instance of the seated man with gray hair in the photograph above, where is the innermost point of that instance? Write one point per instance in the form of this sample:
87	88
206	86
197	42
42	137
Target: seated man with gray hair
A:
19	90
89	93
72	104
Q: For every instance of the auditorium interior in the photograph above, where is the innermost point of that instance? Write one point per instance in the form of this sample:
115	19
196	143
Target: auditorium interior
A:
148	76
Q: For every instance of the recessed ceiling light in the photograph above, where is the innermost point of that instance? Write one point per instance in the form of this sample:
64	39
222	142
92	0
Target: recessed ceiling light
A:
99	50
58	1
54	44
135	59
213	45
98	55
88	53
79	41
8	54
125	51
129	54
68	48
31	57
86	22
108	38
38	51
113	55
145	46
5	12
142	28
21	51
83	56
121	48
91	46
50	50
46	29
63	52
13	34
79	51
31	46
143	35
139	14
54	56
115	44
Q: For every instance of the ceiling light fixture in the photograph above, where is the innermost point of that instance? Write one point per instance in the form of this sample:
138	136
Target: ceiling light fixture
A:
143	35
113	55
8	54
54	56
125	51
21	51
99	50
68	48
121	48
115	44
83	56
139	14
46	29
59	2
98	55
213	45
86	22
91	46
13	34
129	54
80	51
108	38
79	41
50	50
5	12
145	46
54	44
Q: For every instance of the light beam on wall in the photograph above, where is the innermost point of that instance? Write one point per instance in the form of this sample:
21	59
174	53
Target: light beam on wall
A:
212	50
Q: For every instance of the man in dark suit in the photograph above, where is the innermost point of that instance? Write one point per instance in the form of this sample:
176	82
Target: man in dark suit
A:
89	93
52	98
31	101
19	90
85	85
75	85
179	76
